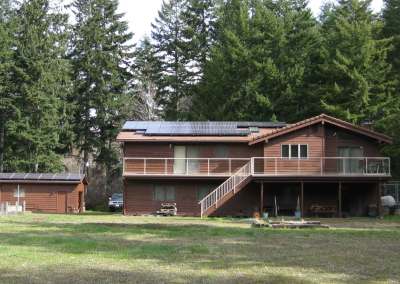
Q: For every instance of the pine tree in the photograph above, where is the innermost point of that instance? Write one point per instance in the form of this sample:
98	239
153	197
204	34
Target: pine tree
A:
171	51
145	74
391	28
260	65
40	75
355	71
7	101
101	57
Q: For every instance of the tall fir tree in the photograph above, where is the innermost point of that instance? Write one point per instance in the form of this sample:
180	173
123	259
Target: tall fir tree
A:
146	77
261	62
7	100
40	76
101	59
354	73
391	28
171	51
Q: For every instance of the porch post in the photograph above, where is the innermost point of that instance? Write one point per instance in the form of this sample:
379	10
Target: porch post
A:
302	199
261	198
340	199
378	199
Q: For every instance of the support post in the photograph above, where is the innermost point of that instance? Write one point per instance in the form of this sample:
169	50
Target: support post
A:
340	199
302	199
378	200
261	199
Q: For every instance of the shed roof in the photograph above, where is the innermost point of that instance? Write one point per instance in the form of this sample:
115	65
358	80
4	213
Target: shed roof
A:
72	178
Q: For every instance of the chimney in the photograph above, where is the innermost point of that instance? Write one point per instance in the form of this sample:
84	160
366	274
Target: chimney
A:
367	123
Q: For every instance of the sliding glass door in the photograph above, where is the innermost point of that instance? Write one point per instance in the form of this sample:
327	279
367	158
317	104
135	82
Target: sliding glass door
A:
350	161
186	160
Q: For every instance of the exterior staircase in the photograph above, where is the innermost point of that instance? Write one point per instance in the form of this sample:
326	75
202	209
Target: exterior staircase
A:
210	203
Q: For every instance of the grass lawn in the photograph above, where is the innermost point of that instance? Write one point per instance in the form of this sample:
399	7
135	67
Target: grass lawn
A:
110	248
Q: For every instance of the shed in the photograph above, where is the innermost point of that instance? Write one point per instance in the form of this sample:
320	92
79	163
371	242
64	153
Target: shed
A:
45	192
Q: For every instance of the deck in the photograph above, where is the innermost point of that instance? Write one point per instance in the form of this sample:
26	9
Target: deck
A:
274	167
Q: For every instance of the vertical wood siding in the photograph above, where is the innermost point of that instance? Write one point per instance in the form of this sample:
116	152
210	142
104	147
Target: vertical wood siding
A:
44	197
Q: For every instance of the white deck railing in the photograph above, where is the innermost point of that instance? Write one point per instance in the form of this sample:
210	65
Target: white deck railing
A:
261	166
321	166
183	166
226	187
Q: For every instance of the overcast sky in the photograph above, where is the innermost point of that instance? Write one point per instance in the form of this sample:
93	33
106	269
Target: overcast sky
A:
141	13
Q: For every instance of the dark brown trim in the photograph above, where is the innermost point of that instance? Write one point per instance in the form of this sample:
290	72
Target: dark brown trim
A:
302	199
261	199
340	200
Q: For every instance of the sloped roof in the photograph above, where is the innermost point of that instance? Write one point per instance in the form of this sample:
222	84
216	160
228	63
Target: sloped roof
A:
197	128
42	177
322	118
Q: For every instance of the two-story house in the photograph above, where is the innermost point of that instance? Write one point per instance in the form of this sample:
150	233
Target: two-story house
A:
321	164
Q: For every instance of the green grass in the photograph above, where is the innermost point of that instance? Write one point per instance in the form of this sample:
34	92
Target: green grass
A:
110	248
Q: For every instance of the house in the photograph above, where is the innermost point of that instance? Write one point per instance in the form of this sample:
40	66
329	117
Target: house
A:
322	165
50	193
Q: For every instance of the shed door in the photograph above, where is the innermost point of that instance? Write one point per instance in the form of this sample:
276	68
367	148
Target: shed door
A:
61	202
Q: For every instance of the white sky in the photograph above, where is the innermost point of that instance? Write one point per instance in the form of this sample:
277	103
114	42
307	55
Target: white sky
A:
141	13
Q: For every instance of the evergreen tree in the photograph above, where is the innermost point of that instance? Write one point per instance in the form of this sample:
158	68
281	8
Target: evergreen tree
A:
7	100
40	75
171	51
145	74
101	58
355	71
391	28
260	66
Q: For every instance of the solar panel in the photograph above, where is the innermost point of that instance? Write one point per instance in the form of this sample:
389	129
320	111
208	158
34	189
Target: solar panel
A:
200	128
41	176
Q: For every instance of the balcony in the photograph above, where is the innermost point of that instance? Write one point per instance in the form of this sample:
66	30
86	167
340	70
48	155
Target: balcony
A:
183	167
260	166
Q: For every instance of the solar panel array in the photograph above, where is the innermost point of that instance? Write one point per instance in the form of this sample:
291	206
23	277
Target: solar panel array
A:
37	176
208	128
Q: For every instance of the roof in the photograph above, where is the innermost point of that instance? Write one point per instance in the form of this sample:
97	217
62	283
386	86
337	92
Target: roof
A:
42	178
198	128
322	118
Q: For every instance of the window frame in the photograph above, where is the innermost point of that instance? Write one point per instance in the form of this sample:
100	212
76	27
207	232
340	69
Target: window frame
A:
21	193
164	189
290	157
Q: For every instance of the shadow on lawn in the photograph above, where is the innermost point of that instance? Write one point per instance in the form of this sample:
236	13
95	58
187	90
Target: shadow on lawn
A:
79	275
199	246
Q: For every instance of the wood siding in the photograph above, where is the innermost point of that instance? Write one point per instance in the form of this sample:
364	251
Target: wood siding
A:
322	141
49	198
162	154
139	196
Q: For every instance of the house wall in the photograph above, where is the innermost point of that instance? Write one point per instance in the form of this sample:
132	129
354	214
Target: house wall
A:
322	141
206	150
47	198
139	196
356	197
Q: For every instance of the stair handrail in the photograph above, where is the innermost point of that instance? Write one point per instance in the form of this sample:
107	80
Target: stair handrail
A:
226	187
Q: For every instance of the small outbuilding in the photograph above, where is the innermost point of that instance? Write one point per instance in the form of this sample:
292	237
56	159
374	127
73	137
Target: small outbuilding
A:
50	193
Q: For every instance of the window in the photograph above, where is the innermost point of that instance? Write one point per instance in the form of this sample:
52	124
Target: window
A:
21	193
221	151
294	151
350	159
203	190
181	164
164	193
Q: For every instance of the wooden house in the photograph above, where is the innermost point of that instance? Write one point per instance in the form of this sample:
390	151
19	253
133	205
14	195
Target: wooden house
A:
323	165
50	193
